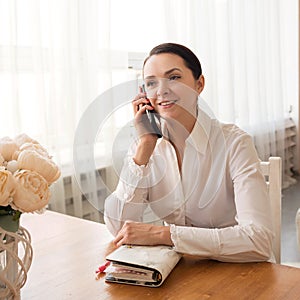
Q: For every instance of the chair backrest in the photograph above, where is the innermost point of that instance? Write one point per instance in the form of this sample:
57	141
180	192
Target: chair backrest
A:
298	227
272	171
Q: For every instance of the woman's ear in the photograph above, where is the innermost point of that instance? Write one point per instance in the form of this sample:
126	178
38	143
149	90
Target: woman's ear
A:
200	84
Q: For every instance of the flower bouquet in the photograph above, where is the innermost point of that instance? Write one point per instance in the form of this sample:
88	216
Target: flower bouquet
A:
26	173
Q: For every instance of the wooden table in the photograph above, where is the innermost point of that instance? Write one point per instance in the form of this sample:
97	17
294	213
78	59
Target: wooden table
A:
68	250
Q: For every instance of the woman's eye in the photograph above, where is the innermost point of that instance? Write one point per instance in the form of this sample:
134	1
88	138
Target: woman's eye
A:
151	83
174	77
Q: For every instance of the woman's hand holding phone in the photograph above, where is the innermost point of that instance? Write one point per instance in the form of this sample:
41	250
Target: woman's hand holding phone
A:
146	119
147	136
154	119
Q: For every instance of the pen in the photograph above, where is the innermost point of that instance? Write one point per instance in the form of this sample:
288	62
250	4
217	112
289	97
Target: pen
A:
102	268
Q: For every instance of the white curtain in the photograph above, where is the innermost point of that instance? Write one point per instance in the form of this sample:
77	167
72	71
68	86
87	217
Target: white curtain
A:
244	50
57	56
54	60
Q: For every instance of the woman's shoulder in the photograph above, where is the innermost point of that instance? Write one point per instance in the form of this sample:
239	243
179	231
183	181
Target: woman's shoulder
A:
229	129
217	127
233	130
233	135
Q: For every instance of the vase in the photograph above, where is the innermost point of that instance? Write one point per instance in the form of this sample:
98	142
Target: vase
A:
15	257
8	223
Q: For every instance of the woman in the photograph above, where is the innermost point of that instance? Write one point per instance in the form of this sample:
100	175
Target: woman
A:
202	178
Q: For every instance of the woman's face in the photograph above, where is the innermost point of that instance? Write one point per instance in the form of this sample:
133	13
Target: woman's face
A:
171	86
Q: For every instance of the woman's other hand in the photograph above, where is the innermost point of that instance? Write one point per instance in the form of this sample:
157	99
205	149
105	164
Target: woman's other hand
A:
135	233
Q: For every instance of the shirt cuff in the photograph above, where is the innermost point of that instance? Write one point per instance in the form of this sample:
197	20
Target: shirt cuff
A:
195	241
132	177
137	170
173	235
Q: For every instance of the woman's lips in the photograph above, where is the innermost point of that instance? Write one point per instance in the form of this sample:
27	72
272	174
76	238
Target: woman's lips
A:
167	104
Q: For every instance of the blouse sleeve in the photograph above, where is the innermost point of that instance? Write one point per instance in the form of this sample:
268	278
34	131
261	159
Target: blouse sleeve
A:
128	201
251	238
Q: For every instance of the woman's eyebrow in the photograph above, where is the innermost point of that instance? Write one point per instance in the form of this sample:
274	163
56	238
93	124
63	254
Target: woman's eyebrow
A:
150	77
172	70
166	73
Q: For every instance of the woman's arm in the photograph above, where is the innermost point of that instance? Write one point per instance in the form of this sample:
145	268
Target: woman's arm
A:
251	238
128	201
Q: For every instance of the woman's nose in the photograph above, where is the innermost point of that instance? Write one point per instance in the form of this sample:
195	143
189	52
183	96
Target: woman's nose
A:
163	88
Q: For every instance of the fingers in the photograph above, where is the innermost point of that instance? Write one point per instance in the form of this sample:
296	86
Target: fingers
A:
140	102
120	239
128	234
142	122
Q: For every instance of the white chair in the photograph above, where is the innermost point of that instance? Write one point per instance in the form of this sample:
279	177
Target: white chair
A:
272	171
298	227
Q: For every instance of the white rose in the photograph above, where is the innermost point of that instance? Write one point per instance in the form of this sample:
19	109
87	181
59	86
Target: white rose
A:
35	147
7	187
7	148
32	160
24	138
32	191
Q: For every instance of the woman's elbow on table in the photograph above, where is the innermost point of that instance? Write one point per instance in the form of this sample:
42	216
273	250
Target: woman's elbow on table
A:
113	226
264	244
112	217
259	240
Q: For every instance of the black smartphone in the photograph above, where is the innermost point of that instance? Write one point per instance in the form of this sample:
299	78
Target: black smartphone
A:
153	117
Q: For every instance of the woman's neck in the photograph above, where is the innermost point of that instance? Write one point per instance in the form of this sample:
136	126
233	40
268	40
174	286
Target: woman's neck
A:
180	129
178	133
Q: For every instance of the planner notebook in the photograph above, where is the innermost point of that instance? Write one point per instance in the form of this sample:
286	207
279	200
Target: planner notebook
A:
141	265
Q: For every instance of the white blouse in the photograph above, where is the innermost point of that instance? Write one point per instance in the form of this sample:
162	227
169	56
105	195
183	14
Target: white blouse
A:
218	206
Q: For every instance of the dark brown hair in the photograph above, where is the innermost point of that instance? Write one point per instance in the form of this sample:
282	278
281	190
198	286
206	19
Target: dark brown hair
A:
190	59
